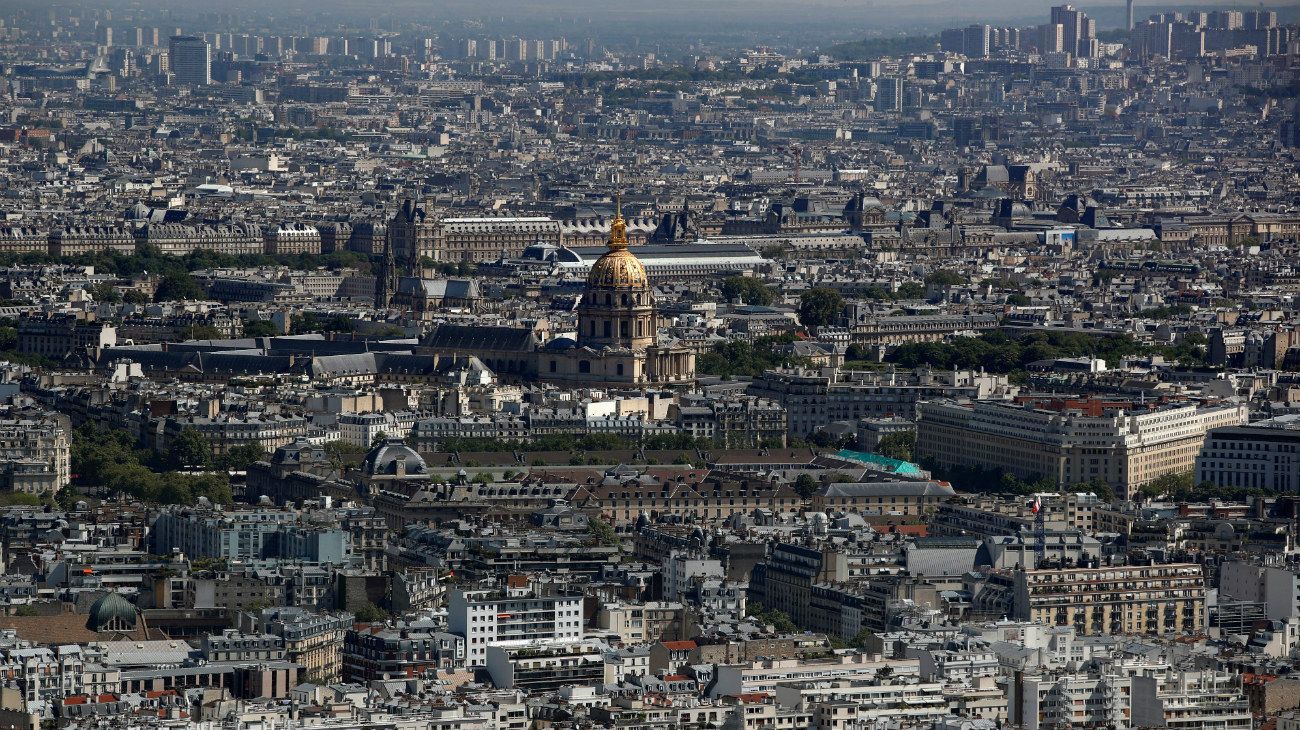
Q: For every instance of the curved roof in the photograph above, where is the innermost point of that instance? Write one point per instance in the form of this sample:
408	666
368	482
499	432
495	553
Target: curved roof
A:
111	606
384	459
619	268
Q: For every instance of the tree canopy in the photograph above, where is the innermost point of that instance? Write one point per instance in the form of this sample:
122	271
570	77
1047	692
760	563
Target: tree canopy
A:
820	306
747	289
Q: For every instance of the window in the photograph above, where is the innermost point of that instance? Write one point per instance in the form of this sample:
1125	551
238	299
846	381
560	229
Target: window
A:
623	329
608	327
584	366
552	366
620	369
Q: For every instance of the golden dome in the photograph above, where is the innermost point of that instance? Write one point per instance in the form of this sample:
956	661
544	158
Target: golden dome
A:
618	268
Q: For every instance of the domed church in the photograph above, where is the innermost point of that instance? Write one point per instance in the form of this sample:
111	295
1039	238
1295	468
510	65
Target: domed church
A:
618	340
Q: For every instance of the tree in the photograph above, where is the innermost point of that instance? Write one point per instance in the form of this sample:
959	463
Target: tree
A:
190	449
1174	484
601	531
135	296
204	332
747	289
1100	488
260	328
820	306
910	290
178	287
105	292
943	277
239	458
371	614
897	445
805	485
67	498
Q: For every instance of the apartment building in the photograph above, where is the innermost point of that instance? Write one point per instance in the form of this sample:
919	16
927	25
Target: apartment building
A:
35	453
1116	600
546	666
1261	455
404	649
1124	444
518	614
59	334
311	640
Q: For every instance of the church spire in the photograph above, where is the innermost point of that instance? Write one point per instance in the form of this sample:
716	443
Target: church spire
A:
617	227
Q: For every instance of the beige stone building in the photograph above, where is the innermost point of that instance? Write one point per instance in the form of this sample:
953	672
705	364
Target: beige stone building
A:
1130	599
1124	444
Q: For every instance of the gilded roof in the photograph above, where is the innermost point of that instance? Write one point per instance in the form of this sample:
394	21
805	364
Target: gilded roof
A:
618	268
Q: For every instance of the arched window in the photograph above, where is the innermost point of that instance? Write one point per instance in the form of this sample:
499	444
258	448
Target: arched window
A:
625	300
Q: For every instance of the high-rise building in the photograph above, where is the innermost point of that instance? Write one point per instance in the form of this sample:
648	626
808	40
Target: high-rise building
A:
1260	19
190	59
975	41
1051	38
889	94
1071	21
1227	19
1129	15
106	35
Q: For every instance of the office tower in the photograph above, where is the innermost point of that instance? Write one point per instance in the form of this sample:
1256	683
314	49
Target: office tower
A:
1188	41
1070	21
889	94
154	37
105	36
139	37
122	62
1129	10
190	58
975	41
1290	131
953	40
468	48
964	131
1158	40
1051	38
1226	19
1259	19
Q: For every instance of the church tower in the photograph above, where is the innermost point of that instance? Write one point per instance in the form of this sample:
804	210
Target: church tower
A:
617	309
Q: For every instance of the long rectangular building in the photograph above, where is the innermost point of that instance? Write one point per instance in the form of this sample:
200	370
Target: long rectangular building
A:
1071	442
1263	455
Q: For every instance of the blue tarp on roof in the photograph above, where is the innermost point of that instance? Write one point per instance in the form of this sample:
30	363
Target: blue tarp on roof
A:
896	466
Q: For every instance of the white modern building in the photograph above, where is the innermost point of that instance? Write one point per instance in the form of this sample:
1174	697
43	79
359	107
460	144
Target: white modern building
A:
519	615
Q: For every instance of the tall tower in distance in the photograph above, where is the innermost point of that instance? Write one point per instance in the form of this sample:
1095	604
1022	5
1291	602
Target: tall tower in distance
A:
1129	16
190	58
